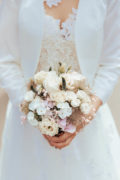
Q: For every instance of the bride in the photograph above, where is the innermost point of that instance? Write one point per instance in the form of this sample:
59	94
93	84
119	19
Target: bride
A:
36	34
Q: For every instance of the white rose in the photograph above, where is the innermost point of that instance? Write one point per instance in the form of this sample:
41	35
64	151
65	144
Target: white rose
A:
75	103
51	82
48	127
41	109
31	119
85	108
59	96
29	96
40	76
74	80
65	110
63	105
83	96
63	113
35	103
70	96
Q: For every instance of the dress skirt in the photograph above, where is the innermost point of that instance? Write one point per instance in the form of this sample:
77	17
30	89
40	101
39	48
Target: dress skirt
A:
94	154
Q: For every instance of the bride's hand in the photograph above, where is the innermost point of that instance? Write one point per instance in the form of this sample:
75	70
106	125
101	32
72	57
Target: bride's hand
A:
66	138
61	141
96	103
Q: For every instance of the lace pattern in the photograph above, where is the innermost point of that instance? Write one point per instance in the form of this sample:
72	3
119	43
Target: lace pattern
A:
58	43
51	3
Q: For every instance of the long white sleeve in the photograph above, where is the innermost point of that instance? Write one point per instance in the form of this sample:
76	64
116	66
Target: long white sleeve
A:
109	68
11	75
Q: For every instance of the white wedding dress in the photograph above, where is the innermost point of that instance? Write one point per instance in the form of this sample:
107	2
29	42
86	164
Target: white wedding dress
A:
93	155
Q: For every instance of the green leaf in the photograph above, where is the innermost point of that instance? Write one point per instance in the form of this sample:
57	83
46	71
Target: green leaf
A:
63	84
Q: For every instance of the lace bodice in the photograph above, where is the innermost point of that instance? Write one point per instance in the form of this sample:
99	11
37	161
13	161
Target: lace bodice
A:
58	43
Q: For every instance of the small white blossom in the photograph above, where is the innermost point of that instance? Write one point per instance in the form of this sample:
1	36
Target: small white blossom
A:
48	127
85	108
31	119
29	96
83	96
70	96
63	105
75	103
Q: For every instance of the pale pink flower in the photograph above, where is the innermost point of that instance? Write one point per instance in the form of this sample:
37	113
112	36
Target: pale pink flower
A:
62	123
70	128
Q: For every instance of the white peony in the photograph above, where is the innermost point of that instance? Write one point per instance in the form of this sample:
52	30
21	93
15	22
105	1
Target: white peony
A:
52	82
41	109
74	80
48	127
35	103
75	103
65	110
85	108
63	113
29	96
59	96
31	119
83	96
40	77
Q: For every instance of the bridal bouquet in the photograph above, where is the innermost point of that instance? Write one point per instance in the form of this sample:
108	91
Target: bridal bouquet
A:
52	97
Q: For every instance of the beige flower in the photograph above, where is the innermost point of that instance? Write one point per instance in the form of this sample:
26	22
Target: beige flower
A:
74	80
40	77
58	97
52	82
48	127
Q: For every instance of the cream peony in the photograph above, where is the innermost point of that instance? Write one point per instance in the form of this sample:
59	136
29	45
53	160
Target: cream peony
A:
31	119
59	96
52	82
74	80
29	96
48	127
85	108
40	77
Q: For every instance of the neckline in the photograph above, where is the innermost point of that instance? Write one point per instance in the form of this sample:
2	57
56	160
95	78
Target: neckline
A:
61	24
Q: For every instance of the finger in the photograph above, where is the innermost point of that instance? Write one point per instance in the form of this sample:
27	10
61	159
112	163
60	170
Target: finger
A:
62	144
59	139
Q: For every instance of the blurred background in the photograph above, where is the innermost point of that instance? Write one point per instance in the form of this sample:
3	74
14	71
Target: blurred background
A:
114	103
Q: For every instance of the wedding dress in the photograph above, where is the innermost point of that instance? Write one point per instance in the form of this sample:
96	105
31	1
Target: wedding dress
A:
94	154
